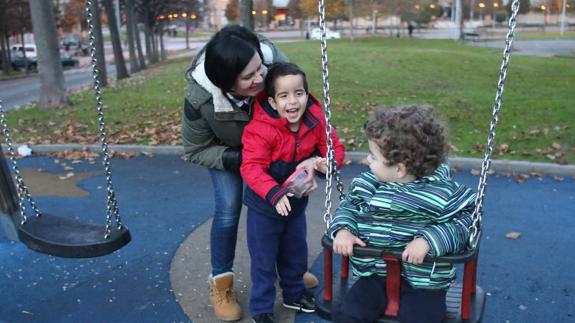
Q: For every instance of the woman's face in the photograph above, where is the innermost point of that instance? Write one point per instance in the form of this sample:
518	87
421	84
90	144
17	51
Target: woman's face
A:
251	80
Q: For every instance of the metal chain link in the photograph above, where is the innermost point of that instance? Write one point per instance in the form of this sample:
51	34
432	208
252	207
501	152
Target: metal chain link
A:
112	204
331	164
476	225
22	189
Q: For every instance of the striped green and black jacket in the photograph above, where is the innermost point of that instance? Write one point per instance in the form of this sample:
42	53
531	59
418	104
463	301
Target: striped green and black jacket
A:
383	214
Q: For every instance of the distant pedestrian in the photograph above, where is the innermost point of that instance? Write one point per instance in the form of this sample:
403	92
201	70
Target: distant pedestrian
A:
410	29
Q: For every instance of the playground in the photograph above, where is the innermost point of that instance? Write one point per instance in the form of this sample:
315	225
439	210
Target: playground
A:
160	276
152	264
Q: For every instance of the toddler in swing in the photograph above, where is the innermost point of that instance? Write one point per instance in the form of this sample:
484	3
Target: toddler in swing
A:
287	134
407	199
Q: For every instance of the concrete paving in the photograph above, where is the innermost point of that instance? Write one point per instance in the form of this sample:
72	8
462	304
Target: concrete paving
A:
161	275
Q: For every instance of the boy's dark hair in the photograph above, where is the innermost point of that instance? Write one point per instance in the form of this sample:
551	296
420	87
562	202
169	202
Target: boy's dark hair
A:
411	135
282	69
227	54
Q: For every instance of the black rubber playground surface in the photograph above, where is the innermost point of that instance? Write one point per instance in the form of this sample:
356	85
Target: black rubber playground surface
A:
163	200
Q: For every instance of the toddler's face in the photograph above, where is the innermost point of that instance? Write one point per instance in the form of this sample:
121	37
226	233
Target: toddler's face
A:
379	165
290	99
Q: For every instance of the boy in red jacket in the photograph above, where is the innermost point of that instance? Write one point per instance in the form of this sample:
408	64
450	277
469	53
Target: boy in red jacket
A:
287	131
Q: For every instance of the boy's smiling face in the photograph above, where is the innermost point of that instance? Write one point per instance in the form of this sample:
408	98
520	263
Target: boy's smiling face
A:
290	99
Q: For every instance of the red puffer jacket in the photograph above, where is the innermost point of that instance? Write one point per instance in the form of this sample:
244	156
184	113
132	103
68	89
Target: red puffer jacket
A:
271	152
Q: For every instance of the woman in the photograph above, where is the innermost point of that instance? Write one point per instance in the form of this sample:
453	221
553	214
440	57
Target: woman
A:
222	81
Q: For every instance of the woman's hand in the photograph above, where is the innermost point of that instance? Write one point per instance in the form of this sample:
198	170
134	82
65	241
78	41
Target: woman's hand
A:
320	164
282	206
415	251
344	241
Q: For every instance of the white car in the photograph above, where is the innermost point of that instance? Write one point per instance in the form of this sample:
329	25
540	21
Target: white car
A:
329	34
30	49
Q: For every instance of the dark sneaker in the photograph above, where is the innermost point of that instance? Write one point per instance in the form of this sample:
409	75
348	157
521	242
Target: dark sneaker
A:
306	304
263	318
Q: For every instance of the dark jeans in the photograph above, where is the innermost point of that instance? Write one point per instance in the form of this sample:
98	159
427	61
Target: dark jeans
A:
365	302
281	245
228	187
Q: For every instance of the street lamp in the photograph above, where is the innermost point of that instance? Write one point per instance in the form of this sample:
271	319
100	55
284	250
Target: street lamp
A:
417	7
481	5
432	5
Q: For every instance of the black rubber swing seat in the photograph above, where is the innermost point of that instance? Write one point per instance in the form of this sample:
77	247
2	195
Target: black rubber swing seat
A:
63	237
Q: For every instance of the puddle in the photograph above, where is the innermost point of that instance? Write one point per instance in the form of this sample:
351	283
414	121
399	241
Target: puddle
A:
44	183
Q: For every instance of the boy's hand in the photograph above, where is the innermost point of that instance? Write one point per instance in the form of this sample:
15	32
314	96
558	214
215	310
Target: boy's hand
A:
415	251
282	206
320	164
344	241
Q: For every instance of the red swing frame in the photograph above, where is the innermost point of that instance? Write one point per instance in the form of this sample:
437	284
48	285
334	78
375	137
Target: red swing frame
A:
466	301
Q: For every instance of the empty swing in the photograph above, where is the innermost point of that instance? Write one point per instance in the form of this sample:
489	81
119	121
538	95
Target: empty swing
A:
56	235
466	301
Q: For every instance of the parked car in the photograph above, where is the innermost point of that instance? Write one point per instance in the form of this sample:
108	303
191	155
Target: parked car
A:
30	49
19	63
68	60
329	34
73	44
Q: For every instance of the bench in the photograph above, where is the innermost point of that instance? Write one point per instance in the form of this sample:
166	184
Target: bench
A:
473	35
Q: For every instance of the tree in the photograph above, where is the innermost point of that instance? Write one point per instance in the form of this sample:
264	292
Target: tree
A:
132	26
99	43
247	6
121	71
73	15
52	91
233	10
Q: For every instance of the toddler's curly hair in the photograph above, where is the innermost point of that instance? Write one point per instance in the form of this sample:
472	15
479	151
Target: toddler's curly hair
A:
409	134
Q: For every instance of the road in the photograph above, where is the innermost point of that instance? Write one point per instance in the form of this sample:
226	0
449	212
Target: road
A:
21	91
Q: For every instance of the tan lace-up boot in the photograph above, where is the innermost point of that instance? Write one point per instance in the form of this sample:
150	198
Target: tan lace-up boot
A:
309	280
223	297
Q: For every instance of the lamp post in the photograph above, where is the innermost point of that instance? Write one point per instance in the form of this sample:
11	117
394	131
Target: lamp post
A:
265	18
481	5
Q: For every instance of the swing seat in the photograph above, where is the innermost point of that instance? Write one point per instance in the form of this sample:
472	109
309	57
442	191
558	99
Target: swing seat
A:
465	302
69	238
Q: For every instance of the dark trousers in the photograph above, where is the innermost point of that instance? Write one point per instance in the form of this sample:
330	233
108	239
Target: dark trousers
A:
276	244
366	301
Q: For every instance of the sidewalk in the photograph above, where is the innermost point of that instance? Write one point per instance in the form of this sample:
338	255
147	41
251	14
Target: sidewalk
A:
161	275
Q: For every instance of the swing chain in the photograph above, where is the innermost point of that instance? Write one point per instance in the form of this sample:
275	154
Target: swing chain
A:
476	225
23	191
112	203
332	168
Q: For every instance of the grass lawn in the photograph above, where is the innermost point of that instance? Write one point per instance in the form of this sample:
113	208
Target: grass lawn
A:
459	81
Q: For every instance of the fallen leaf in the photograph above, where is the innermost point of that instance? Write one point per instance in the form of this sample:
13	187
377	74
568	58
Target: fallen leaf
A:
556	145
513	235
559	178
347	162
503	148
521	178
475	172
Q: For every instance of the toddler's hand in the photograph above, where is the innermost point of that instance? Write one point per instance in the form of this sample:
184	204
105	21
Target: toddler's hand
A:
415	251
282	206
344	241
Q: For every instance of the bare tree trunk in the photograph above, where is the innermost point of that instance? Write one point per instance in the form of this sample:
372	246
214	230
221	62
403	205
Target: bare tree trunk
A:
350	9
6	67
121	71
141	56
162	49
247	18
99	45
131	26
52	90
188	31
